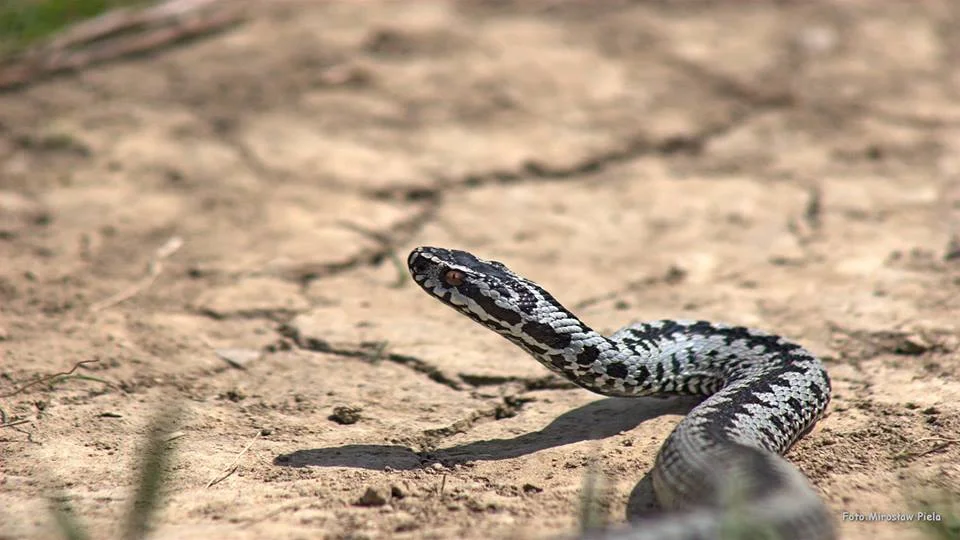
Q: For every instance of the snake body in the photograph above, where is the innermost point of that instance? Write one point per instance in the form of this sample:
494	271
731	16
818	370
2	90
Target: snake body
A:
720	473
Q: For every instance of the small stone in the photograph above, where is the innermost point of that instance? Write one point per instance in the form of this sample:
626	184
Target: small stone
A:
372	497
238	358
346	414
397	492
233	395
675	274
530	488
912	345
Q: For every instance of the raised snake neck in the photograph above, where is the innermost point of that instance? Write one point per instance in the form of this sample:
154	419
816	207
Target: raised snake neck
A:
720	473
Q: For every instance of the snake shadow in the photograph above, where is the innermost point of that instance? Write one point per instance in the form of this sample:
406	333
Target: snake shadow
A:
596	420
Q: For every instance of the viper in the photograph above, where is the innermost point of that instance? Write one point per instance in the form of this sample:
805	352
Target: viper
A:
721	472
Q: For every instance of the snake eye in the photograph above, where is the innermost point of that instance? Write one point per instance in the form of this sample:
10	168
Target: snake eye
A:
453	278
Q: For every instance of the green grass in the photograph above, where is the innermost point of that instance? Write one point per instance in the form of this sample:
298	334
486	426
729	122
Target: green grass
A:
943	503
26	22
594	502
155	455
946	506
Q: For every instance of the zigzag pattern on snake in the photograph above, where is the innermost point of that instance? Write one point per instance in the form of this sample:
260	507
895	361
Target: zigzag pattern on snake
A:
764	394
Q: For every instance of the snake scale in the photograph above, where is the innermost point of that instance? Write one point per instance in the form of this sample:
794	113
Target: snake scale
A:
720	473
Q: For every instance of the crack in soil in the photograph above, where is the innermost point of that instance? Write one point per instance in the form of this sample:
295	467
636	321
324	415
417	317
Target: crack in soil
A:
635	147
372	352
508	408
672	276
401	231
546	382
272	314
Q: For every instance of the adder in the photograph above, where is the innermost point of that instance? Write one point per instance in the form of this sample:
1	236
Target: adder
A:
720	473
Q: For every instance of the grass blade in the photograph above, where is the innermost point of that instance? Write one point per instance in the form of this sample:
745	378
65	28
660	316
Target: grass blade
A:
155	456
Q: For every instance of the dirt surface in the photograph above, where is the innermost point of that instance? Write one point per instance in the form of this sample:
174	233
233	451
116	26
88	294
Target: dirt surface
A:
786	165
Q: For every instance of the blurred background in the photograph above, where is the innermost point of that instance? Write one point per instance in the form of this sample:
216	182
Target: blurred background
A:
210	202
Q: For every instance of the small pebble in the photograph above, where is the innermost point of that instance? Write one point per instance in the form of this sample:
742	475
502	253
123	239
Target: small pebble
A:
372	497
912	345
346	414
238	358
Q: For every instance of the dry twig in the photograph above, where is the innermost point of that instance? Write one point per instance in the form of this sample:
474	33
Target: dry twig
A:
153	271
47	378
942	442
232	468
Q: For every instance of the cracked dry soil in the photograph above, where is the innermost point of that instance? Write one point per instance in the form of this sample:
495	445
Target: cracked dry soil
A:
785	165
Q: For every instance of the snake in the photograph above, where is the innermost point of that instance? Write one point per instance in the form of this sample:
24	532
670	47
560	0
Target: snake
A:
720	474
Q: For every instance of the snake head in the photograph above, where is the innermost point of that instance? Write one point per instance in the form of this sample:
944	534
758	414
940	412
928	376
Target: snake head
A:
483	290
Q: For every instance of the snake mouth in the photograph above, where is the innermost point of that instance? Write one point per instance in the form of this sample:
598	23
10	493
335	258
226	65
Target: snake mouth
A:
413	259
419	264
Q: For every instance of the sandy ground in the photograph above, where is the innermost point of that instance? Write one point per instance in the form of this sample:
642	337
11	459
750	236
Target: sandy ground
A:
787	165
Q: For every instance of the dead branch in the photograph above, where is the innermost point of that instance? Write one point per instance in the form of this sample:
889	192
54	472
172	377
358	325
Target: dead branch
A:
120	33
232	468
47	378
942	442
153	271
